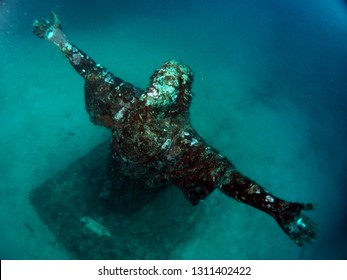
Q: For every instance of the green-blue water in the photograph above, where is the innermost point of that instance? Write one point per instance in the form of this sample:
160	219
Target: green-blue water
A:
270	93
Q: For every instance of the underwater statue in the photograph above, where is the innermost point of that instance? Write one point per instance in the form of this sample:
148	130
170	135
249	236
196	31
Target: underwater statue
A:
154	144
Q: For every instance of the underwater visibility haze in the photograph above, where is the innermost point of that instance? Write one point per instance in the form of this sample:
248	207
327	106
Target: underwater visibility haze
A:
269	93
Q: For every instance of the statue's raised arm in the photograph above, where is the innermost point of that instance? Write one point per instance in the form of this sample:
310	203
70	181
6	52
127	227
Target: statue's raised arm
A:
82	63
100	84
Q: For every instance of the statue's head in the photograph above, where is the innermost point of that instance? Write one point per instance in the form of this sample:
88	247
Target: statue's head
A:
170	83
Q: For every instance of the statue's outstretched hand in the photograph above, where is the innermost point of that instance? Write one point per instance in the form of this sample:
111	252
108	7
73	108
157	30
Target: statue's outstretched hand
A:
298	226
44	26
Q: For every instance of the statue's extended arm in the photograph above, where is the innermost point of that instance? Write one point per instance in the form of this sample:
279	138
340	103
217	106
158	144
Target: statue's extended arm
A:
80	61
201	169
289	215
105	94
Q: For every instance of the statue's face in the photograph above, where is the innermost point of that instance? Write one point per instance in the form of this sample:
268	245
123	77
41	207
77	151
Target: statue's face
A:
166	84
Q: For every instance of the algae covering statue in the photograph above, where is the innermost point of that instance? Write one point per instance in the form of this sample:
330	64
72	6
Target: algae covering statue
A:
154	144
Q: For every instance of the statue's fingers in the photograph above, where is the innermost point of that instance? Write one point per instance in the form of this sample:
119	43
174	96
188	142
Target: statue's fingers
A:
56	20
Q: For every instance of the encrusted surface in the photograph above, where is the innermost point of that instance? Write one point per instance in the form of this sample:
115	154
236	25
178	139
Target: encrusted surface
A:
154	144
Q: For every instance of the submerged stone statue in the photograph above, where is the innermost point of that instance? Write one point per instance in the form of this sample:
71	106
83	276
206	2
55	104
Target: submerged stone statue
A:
154	144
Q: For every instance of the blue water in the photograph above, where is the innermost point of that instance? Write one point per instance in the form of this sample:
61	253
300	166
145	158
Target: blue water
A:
270	93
